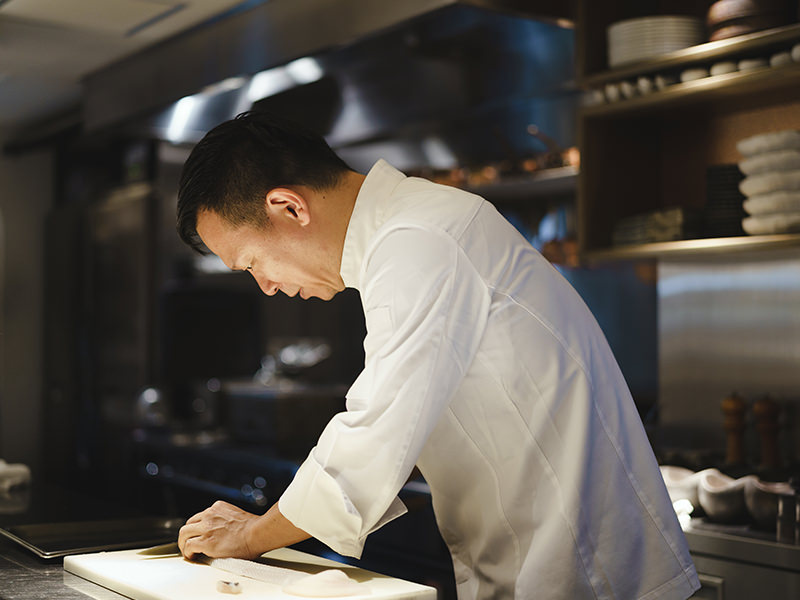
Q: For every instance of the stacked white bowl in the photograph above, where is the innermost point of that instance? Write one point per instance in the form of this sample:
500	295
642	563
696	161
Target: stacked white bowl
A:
771	165
643	37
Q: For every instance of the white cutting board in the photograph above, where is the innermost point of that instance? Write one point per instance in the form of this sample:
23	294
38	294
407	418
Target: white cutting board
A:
144	577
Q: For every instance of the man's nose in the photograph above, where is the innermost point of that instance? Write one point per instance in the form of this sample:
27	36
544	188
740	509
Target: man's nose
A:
270	288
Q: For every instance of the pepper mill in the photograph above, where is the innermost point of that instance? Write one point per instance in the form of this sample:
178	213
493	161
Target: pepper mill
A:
766	412
733	409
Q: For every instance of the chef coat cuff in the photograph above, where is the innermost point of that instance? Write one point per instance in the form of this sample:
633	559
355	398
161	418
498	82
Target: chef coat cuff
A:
316	503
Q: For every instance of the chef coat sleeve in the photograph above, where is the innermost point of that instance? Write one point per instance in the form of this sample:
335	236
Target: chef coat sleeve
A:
426	308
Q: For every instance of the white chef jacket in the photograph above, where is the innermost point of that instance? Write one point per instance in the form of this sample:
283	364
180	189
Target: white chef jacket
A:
485	368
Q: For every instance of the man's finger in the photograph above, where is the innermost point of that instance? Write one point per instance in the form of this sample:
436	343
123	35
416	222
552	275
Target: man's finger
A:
185	533
191	548
195	518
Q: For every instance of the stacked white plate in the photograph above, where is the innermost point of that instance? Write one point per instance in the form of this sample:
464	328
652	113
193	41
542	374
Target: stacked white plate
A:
644	37
771	165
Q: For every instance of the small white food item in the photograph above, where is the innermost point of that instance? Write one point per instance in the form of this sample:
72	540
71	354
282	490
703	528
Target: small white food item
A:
788	139
628	89
796	53
612	92
229	587
595	97
750	64
645	85
722	68
693	74
664	81
331	583
780	59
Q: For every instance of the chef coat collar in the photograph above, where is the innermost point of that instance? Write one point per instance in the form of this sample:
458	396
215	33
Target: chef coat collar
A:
367	217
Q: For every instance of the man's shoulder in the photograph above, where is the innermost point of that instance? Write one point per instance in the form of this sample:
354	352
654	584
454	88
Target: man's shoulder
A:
430	206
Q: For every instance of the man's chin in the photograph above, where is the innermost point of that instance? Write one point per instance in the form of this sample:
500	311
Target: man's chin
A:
324	295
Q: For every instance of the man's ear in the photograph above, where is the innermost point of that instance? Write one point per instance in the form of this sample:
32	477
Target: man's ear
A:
287	204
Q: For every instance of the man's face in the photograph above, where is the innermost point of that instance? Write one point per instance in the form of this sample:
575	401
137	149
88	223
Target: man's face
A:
280	256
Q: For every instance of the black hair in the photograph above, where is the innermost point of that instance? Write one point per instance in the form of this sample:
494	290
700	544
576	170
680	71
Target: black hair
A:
232	168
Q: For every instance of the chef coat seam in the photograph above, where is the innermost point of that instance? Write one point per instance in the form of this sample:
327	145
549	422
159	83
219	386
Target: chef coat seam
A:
493	471
553	331
552	475
578	544
634	482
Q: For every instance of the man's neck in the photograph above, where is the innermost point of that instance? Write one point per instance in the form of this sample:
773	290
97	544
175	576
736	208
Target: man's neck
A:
336	207
345	203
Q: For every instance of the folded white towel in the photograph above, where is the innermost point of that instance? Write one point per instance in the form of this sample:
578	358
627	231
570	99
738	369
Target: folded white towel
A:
777	223
766	183
769	142
769	204
781	160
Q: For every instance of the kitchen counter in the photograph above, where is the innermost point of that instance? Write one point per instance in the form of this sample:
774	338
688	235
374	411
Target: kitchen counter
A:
24	576
738	563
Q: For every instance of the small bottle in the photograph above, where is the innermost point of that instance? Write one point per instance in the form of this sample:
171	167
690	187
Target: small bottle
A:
733	411
767	414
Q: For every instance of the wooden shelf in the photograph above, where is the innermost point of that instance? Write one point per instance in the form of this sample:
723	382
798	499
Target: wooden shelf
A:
547	182
755	44
654	150
694	248
740	83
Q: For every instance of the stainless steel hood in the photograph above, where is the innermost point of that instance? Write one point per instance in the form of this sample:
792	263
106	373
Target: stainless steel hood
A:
267	35
422	82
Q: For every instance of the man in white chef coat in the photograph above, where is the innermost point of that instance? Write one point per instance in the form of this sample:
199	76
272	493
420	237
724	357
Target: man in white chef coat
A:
483	367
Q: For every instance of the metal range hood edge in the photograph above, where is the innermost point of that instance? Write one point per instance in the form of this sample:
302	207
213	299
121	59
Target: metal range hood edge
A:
262	37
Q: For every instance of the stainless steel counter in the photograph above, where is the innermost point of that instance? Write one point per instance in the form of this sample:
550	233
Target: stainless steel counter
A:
736	563
23	576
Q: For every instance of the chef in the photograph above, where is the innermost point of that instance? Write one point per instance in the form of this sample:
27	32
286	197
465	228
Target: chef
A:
483	367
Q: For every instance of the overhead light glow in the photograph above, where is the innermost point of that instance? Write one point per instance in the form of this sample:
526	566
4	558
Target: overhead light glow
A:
279	79
180	118
226	85
438	153
304	70
268	83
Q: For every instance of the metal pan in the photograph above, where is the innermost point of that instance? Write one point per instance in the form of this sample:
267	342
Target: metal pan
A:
54	540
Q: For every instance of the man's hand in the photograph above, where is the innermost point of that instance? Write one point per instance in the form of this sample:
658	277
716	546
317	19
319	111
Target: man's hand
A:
225	531
222	530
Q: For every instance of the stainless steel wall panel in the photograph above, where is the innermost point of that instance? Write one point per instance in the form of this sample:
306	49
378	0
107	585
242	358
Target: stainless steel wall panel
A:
728	325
